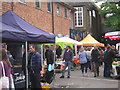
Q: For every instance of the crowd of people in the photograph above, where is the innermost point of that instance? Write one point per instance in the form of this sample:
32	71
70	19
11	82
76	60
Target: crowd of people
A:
89	59
92	59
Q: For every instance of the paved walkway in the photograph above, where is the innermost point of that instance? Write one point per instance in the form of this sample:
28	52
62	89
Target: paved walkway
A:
79	81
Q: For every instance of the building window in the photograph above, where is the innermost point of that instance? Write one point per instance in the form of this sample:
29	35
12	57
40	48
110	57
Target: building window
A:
37	4
66	12
94	13
90	14
79	17
58	11
49	6
22	1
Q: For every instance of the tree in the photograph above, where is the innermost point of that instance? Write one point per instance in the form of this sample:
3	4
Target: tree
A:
111	12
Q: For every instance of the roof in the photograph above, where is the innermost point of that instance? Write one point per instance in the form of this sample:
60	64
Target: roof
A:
90	41
17	29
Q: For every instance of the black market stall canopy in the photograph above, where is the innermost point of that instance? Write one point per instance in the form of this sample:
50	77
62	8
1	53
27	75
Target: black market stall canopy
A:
15	29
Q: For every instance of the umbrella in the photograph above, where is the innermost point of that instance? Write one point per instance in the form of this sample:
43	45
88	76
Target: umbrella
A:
113	35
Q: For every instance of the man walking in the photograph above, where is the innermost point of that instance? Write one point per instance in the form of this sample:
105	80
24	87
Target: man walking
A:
68	59
34	66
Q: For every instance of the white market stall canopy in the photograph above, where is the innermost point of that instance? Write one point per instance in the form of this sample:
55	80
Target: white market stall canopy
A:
66	41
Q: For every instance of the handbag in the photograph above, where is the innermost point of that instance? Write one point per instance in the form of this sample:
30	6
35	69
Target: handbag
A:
50	67
77	61
4	80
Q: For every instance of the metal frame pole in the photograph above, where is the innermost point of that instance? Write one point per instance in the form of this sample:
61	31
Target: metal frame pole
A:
26	50
54	61
42	60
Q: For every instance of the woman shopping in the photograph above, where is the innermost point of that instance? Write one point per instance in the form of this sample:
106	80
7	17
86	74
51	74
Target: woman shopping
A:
83	61
5	66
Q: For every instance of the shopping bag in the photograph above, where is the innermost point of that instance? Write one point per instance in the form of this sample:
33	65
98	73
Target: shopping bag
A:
62	66
50	67
77	61
0	83
4	80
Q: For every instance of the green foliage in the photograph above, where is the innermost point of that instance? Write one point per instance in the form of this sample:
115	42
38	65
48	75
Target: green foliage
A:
112	21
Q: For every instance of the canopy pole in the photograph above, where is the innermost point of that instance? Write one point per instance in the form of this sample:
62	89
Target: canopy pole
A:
42	53
42	60
75	50
54	55
26	50
54	61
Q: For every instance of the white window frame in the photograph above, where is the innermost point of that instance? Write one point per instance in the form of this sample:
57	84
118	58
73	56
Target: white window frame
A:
58	11
79	12
22	1
94	13
50	7
39	4
90	16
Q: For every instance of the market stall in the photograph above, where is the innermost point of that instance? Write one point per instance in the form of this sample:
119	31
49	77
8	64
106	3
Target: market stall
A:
90	41
62	42
16	30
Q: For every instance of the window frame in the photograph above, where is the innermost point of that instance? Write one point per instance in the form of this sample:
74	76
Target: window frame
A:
22	2
39	4
76	16
58	13
65	10
50	7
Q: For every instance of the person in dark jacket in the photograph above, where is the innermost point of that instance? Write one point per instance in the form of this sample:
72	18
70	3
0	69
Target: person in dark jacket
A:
58	51
95	56
68	59
49	55
108	59
34	67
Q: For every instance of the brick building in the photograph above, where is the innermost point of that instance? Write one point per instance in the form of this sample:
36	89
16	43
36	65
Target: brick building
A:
52	17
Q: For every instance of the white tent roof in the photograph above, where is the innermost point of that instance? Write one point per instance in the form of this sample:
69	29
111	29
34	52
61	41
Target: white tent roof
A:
68	40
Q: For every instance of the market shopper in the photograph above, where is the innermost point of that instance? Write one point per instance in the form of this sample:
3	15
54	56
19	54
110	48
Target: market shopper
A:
108	59
58	51
67	57
83	61
88	51
95	57
34	67
49	55
6	65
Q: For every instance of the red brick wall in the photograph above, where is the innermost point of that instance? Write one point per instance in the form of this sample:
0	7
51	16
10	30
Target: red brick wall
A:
40	17
5	7
62	24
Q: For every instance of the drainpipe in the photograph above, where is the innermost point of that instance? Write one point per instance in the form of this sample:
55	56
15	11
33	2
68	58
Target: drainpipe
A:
12	5
52	18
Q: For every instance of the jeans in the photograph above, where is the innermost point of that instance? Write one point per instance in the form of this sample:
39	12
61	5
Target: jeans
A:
107	68
84	67
67	63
